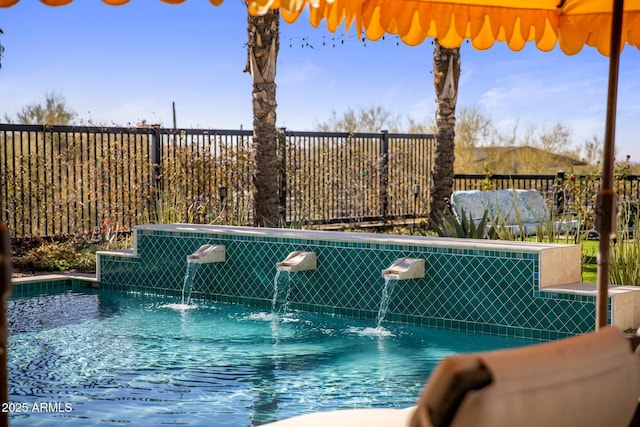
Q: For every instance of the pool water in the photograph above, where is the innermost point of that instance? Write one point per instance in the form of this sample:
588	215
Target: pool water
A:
107	358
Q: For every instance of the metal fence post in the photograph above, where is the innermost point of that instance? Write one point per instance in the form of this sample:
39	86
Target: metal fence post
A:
282	176
558	192
156	159
384	174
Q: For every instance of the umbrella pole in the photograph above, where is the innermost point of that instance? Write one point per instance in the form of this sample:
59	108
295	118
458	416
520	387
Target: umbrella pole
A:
606	196
5	290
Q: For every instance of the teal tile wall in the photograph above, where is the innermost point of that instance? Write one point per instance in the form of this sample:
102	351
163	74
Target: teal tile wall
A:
27	289
464	289
39	286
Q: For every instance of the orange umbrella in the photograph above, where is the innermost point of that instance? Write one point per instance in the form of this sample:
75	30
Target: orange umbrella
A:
570	24
7	3
606	25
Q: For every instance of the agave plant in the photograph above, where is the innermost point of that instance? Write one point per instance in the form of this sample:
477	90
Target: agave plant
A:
464	227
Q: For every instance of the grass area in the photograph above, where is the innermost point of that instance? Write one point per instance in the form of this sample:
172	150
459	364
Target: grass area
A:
590	273
589	261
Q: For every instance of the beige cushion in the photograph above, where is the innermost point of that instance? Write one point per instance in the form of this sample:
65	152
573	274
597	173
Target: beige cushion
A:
588	380
377	417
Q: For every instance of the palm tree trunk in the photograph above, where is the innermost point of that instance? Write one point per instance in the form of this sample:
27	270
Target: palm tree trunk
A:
446	73
263	45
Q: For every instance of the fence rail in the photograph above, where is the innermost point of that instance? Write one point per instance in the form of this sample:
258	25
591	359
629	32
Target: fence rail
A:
542	183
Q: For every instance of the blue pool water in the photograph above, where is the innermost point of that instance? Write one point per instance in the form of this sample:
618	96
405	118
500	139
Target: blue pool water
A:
107	358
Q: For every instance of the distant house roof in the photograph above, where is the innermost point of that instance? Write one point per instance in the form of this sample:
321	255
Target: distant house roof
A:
484	154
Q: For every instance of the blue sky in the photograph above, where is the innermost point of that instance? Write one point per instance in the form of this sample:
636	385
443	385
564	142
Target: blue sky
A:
119	65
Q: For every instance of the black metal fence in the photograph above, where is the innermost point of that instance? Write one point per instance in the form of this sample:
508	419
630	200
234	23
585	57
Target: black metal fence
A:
63	180
543	183
338	177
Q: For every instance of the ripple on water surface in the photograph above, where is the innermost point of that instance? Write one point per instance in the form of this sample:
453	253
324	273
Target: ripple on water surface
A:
137	360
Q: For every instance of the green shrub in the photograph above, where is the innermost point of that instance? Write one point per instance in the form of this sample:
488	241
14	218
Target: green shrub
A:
57	256
75	254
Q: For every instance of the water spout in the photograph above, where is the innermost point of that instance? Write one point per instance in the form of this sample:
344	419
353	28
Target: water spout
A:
405	268
207	253
192	266
298	261
281	292
389	285
204	255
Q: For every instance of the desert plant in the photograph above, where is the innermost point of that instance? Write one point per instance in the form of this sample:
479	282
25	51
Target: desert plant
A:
502	230
579	195
447	224
628	211
166	211
625	250
557	229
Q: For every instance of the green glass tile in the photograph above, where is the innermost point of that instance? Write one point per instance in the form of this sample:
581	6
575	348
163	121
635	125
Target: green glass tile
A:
473	288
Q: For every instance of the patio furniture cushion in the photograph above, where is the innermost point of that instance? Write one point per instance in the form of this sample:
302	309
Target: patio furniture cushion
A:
501	205
473	203
588	380
532	206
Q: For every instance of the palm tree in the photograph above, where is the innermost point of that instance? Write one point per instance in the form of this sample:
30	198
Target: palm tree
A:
446	73
263	45
1	49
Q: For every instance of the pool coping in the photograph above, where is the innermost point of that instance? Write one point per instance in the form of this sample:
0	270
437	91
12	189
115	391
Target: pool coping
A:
48	277
352	237
625	300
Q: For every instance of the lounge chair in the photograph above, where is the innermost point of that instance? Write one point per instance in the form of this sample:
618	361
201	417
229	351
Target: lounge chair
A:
587	380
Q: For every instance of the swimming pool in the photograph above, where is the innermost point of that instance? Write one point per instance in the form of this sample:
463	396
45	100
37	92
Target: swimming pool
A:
99	357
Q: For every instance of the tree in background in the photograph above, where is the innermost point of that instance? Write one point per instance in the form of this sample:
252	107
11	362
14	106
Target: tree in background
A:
427	127
536	150
1	49
591	150
446	73
473	130
54	111
480	146
555	140
371	119
262	47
